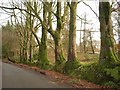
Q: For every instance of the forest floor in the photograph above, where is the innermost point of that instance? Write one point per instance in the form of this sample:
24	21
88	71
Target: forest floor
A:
61	78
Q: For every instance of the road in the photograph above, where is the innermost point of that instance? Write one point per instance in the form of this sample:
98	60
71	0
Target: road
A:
16	77
0	74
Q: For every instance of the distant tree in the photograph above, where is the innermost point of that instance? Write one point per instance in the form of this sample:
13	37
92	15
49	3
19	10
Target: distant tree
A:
9	41
84	36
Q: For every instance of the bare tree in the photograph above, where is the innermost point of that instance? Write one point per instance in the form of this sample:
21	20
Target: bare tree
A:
107	52
72	55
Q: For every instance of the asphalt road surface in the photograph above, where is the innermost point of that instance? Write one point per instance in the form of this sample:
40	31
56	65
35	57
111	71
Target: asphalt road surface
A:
0	74
16	77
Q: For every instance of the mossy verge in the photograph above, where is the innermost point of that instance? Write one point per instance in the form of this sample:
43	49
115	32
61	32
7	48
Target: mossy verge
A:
71	66
59	64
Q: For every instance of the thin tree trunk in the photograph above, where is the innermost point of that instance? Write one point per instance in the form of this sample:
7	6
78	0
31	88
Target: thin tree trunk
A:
91	43
80	45
37	39
84	35
20	55
30	41
119	33
30	48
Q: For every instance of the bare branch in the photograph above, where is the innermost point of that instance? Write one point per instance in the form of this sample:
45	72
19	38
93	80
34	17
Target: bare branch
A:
91	9
13	8
80	1
68	3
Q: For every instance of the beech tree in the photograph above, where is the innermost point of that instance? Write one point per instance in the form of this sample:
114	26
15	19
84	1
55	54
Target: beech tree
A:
72	55
42	51
59	57
10	43
118	21
43	45
107	52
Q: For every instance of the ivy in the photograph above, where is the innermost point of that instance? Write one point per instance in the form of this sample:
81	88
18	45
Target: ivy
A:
113	72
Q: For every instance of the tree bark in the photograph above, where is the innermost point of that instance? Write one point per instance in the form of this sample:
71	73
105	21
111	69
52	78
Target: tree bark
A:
72	63
84	36
91	43
118	33
59	57
107	51
43	46
31	36
72	33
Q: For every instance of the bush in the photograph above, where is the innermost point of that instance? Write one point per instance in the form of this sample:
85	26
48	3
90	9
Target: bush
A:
91	72
113	72
110	83
98	74
70	67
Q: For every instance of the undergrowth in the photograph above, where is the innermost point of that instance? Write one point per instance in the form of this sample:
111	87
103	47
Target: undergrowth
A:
95	73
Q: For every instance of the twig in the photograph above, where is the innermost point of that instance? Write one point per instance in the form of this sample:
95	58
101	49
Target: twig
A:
91	9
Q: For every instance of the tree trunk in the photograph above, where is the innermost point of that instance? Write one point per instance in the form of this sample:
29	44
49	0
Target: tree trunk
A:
43	50
107	52
30	41
43	46
80	45
84	36
30	48
91	43
119	48
72	33
72	55
20	55
59	57
37	39
118	33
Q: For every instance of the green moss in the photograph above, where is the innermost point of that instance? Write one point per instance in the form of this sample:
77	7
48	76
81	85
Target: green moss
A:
71	66
113	72
90	72
42	57
59	63
110	83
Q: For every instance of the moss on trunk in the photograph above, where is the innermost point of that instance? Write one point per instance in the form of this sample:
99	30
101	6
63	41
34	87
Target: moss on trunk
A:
43	59
72	55
71	66
107	53
59	57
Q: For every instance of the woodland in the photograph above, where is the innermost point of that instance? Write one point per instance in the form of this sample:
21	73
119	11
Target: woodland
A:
56	48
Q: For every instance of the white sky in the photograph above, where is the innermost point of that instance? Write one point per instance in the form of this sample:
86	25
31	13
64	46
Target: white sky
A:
82	8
